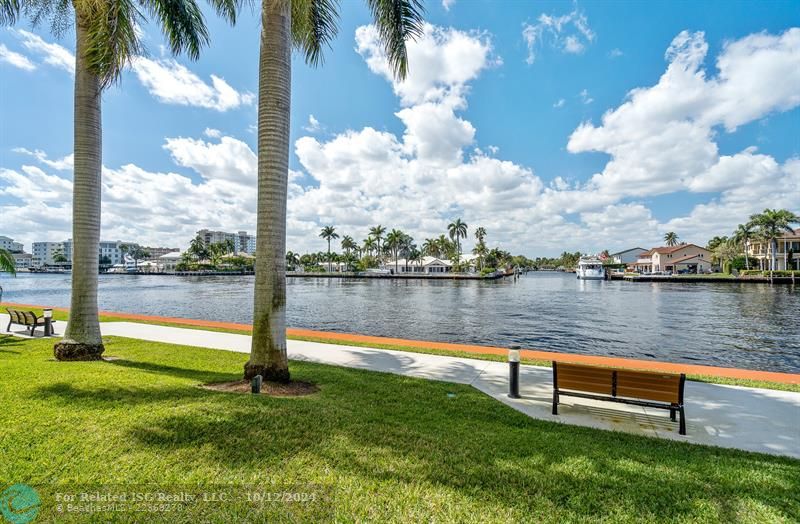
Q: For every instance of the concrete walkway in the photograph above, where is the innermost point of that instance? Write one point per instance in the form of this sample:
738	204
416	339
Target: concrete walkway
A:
751	419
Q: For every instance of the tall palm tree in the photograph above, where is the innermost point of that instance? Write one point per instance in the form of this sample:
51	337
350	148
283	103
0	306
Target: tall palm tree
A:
770	225
369	245
306	25
457	230
394	241
377	233
480	234
671	239
329	233
742	236
106	40
348	245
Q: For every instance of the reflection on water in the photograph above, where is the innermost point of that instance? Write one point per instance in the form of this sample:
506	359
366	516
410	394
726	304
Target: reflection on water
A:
744	325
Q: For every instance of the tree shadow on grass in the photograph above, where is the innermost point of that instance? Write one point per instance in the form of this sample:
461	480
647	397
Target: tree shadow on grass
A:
9	341
201	376
403	431
112	398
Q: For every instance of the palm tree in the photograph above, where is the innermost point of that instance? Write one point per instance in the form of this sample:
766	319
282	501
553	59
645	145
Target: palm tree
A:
671	239
725	252
457	230
480	234
770	225
198	248
742	236
415	255
107	37
394	241
430	247
306	25
292	259
377	233
329	233
369	245
348	244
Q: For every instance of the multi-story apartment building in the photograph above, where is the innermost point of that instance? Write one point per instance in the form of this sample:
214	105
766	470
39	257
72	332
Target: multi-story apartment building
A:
787	252
23	260
242	242
8	244
43	253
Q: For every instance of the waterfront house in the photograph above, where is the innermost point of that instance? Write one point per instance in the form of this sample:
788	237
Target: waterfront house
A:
787	254
169	261
429	265
683	258
629	256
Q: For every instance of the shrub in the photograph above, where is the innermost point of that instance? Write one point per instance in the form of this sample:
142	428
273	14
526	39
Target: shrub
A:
487	271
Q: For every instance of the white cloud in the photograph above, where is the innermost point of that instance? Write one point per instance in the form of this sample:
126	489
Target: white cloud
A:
585	98
212	133
615	53
173	83
569	33
60	164
442	62
313	125
15	59
559	103
447	4
54	54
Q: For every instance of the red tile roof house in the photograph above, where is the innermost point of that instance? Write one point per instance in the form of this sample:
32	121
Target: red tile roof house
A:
683	257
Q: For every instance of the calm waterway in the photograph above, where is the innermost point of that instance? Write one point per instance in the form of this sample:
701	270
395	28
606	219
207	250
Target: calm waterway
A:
736	325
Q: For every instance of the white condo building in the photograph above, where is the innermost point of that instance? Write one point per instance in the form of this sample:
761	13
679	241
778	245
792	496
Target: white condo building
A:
43	252
9	245
242	241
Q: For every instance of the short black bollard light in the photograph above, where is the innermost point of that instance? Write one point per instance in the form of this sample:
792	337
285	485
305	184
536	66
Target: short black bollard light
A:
513	372
47	314
255	384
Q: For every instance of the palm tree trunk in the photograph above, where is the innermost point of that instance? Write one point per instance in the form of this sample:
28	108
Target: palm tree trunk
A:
82	340
268	349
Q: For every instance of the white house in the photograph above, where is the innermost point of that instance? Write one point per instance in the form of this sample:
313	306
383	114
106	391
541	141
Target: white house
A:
428	265
169	261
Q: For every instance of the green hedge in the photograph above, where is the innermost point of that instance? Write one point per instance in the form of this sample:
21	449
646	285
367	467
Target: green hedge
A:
760	273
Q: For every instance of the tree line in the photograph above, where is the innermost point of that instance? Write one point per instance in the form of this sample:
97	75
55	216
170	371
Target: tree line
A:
381	246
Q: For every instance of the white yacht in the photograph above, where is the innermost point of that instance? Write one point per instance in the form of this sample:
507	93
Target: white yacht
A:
590	268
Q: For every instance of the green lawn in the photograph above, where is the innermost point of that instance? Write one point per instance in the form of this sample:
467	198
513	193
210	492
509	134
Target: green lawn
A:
369	446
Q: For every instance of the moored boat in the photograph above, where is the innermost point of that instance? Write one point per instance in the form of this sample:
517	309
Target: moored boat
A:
590	268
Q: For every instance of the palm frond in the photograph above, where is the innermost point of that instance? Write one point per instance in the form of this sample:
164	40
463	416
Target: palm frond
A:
397	21
7	262
315	24
229	9
183	24
10	11
112	34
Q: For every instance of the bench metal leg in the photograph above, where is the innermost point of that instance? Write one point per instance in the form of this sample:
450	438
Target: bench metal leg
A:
555	402
682	429
8	329
672	414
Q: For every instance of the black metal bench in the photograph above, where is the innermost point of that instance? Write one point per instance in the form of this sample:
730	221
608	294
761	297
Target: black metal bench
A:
25	318
641	388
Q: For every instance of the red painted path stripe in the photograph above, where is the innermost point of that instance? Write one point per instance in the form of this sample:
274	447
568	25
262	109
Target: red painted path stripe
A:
344	338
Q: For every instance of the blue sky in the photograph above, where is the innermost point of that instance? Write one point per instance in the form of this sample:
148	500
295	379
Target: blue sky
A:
501	122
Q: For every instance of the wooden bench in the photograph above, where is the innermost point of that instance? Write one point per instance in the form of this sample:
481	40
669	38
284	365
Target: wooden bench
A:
641	388
25	318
